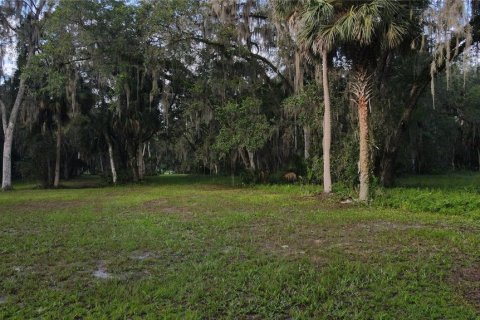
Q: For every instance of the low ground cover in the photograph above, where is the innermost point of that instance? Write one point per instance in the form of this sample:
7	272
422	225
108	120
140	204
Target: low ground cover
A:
195	247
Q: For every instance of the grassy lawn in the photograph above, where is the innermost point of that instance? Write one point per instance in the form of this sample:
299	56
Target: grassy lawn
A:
180	247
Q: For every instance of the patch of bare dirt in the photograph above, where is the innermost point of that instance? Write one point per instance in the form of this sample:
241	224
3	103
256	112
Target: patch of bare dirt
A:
467	280
362	241
45	205
162	206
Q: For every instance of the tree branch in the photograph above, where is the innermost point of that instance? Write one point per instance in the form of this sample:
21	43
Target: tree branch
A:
249	53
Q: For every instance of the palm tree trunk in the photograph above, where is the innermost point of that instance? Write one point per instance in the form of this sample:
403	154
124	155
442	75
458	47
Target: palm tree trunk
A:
364	152
327	127
56	181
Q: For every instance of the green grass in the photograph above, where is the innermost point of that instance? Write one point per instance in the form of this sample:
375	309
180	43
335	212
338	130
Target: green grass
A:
183	247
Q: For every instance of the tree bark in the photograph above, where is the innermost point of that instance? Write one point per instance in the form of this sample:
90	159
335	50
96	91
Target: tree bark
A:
364	152
243	157
140	163
327	126
56	181
8	142
112	159
251	159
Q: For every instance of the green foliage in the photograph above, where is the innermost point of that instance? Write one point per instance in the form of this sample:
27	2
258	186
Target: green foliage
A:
315	170
306	106
242	126
454	194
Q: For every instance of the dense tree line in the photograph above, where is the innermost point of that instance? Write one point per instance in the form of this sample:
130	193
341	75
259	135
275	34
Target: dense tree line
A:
331	90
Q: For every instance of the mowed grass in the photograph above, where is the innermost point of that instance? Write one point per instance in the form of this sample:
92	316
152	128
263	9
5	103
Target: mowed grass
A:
184	247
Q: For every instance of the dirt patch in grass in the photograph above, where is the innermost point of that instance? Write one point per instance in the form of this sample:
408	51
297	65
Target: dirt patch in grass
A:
467	280
34	206
360	241
162	206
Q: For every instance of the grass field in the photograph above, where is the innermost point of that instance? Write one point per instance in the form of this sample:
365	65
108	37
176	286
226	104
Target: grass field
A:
180	247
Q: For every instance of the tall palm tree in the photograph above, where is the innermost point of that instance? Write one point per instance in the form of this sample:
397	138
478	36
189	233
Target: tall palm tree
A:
316	14
310	16
361	30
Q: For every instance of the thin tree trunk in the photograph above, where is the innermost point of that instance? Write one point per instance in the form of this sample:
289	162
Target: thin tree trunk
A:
140	163
298	88
243	157
327	126
101	163
364	152
56	181
251	158
49	173
112	159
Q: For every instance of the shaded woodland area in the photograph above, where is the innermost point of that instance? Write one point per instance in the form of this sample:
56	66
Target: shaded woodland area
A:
349	92
240	159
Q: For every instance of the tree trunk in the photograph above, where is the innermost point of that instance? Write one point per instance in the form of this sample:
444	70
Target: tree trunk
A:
327	127
8	142
140	163
56	181
112	159
49	173
134	170
7	160
387	165
243	157
364	152
251	158
307	138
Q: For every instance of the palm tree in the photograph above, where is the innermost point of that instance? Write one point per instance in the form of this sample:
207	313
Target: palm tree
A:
361	30
315	15
310	16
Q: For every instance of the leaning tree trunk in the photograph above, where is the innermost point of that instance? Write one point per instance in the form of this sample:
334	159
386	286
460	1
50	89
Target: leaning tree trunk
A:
361	90
112	159
327	127
8	135
56	181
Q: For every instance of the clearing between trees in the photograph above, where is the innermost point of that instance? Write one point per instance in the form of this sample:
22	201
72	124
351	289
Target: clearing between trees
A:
195	247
